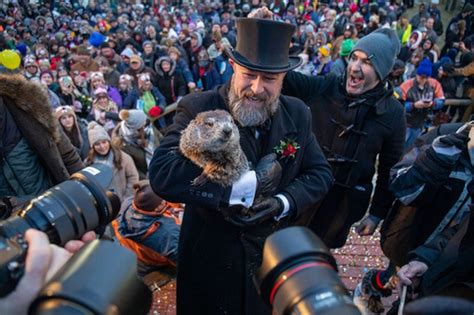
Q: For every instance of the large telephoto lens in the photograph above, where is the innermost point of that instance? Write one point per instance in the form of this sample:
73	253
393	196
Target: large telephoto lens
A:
70	209
298	275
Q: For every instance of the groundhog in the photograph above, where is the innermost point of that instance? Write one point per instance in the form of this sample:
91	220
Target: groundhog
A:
212	142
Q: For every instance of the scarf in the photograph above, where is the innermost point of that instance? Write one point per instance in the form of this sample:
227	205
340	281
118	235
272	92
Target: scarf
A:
132	137
105	159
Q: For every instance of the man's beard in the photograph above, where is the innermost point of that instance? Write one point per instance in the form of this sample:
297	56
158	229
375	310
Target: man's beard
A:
252	116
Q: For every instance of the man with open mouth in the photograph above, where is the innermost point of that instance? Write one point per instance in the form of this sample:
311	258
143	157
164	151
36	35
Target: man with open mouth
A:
356	120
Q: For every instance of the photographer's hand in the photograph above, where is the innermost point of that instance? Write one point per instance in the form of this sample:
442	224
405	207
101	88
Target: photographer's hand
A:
43	260
75	245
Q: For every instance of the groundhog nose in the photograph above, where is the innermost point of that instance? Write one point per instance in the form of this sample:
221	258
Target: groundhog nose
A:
227	131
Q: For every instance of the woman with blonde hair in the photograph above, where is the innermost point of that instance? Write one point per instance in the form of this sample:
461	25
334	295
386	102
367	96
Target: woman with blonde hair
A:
97	80
104	110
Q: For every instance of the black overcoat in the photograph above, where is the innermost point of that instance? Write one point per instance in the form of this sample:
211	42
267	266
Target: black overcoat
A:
352	132
216	259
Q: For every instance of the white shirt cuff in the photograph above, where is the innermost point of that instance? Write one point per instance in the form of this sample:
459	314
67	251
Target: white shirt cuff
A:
243	190
286	207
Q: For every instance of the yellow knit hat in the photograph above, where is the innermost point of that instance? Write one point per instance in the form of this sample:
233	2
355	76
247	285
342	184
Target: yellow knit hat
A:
325	50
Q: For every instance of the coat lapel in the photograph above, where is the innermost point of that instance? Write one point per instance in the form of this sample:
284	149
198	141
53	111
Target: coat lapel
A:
282	128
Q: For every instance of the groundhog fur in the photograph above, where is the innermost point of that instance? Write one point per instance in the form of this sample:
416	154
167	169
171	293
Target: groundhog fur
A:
212	142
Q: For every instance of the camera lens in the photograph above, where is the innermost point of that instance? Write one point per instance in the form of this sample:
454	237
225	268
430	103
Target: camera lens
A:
70	209
298	275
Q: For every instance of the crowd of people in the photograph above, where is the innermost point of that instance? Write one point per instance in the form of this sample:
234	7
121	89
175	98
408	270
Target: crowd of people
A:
112	73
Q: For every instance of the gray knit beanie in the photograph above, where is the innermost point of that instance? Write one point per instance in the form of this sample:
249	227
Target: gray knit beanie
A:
96	133
382	47
133	118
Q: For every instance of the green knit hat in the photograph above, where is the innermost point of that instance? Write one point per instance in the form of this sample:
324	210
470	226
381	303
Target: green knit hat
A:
346	47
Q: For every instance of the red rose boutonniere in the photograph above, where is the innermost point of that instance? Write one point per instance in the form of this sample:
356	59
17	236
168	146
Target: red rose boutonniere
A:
287	148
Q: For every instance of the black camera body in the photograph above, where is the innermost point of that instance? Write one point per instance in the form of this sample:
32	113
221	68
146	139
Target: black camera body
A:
64	212
12	262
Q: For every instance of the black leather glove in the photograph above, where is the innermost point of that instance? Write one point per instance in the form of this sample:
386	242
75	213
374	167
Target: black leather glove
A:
268	207
459	140
262	210
268	171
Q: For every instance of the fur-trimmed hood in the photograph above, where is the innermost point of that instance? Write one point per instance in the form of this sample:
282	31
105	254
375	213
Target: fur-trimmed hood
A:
32	99
158	69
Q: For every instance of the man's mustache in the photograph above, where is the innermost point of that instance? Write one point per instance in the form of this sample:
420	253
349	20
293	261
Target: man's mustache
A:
262	97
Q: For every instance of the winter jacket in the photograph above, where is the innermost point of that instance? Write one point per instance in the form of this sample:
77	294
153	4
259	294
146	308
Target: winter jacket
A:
183	68
130	101
206	78
224	68
352	132
29	126
92	66
411	93
433	185
171	84
157	231
114	94
213	252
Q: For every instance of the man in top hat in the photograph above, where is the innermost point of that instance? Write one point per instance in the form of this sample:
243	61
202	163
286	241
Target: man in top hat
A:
356	119
221	247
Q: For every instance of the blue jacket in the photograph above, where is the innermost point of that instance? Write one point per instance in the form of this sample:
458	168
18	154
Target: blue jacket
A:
130	101
183	68
157	230
209	80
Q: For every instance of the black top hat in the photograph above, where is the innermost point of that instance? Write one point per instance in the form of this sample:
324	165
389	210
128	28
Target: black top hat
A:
263	45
